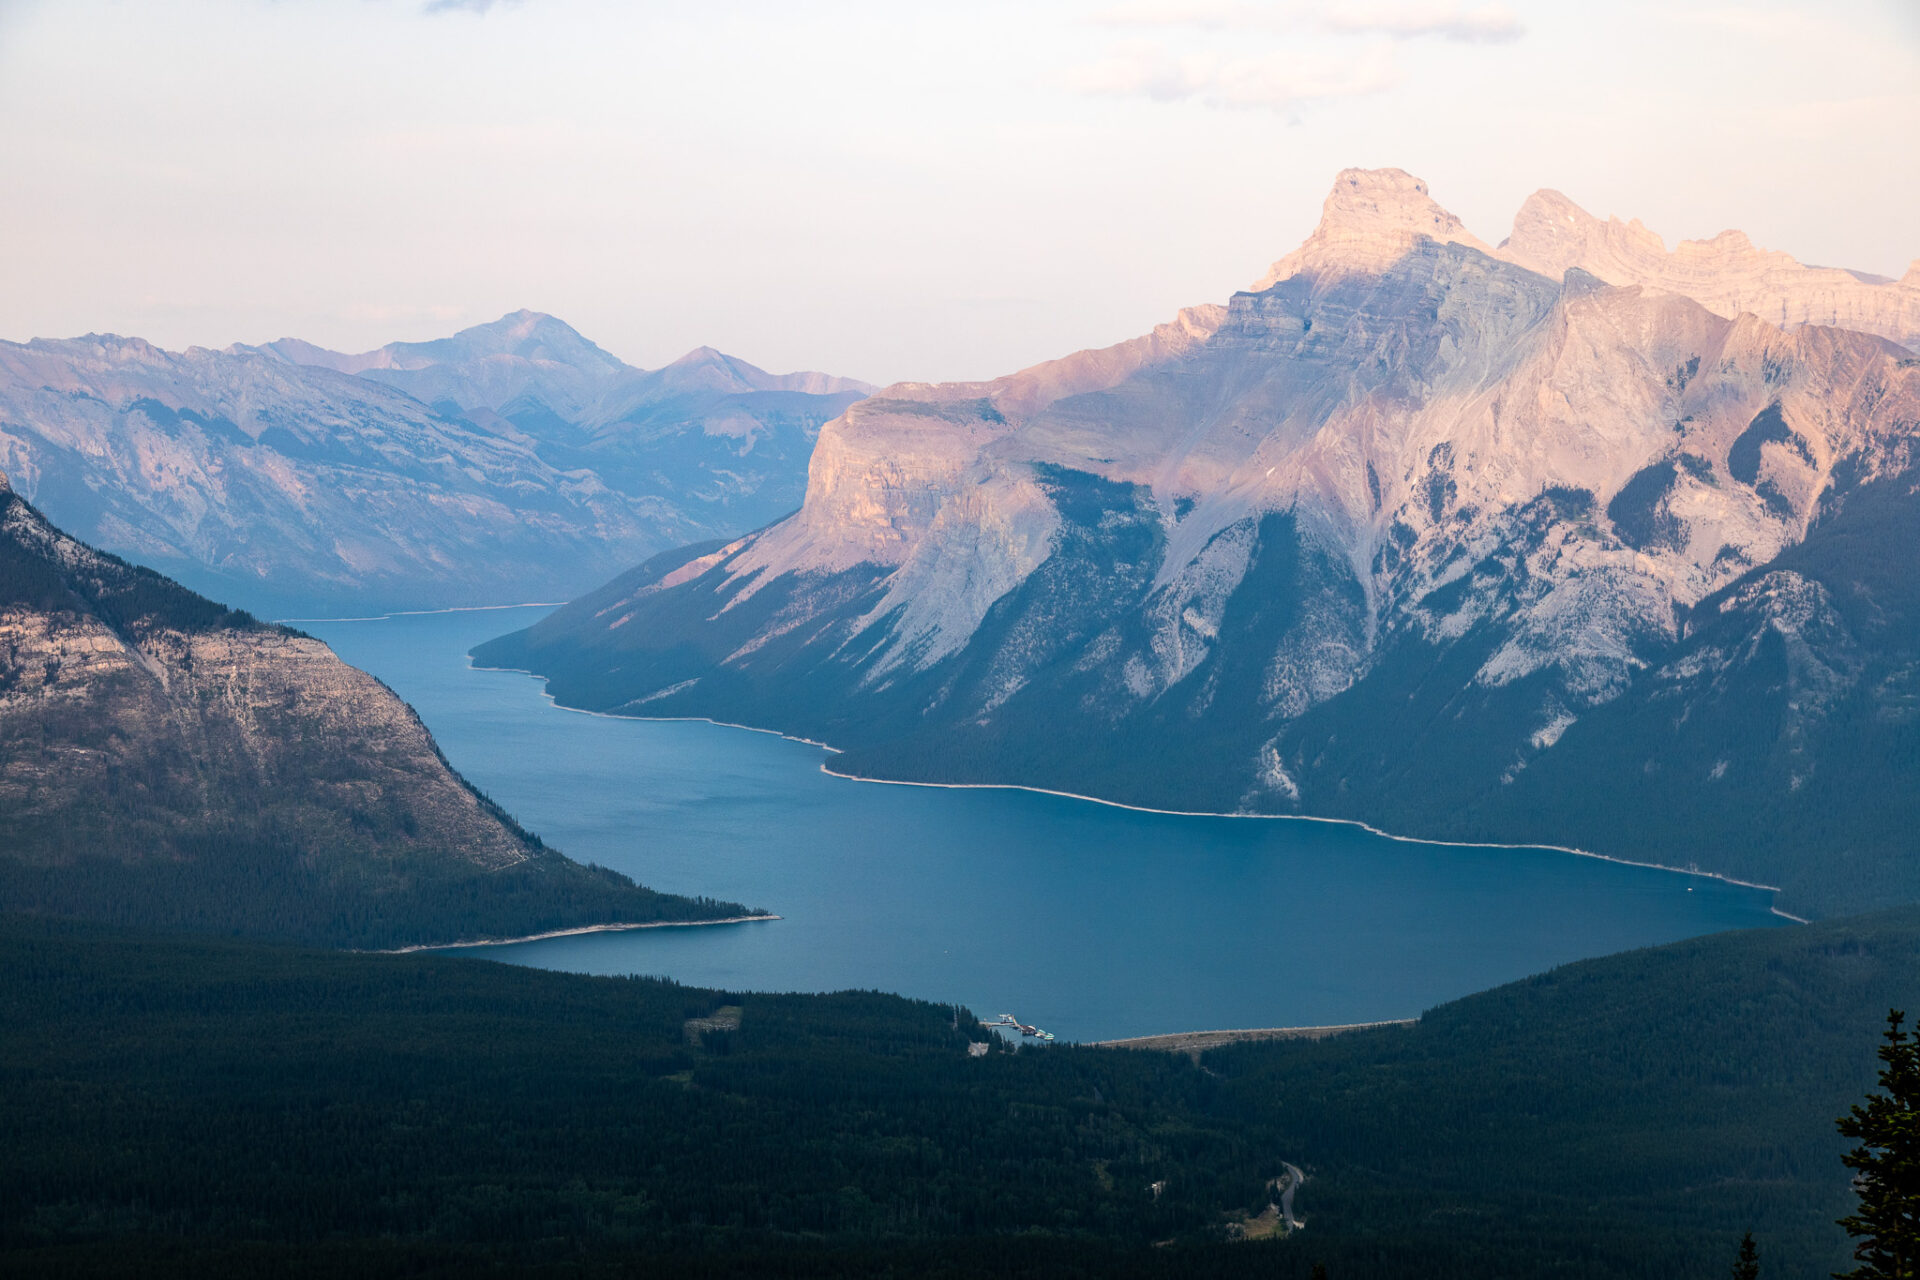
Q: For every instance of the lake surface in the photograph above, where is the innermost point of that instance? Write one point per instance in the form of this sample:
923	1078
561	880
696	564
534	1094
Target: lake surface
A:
1090	920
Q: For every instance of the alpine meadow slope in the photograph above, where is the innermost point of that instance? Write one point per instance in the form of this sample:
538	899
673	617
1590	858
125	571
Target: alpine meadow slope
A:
170	763
512	461
1412	534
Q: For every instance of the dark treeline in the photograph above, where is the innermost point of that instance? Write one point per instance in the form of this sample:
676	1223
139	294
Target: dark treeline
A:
207	1107
128	597
244	886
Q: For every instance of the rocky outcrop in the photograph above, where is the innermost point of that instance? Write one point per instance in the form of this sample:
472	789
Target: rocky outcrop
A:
165	760
1370	220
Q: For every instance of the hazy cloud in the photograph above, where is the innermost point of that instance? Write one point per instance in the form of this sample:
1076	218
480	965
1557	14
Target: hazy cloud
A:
1277	81
1212	14
1486	23
1204	55
465	6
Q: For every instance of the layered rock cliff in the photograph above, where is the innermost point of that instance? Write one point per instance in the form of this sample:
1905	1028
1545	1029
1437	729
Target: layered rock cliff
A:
1375	541
165	760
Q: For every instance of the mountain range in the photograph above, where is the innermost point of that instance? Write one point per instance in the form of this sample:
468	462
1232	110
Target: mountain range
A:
169	762
512	461
1567	540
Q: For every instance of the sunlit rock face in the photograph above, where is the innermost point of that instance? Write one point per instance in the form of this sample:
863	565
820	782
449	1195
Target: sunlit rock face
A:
1371	218
1376	537
1728	274
513	461
162	714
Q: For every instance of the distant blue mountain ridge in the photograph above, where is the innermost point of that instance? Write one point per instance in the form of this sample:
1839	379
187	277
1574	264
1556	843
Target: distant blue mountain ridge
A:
511	461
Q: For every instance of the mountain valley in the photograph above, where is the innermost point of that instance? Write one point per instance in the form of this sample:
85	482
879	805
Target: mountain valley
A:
1317	726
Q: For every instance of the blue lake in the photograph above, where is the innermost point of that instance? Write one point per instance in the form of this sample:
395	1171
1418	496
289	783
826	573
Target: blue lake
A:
1090	920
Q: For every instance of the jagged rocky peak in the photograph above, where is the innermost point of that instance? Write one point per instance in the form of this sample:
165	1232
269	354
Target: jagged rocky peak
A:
1552	234
1374	218
1371	218
1727	274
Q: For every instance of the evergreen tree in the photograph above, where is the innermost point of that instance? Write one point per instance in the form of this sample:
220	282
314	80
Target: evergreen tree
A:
1746	1266
1886	1164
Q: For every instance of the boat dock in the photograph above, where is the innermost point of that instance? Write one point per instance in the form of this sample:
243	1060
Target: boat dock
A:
1012	1023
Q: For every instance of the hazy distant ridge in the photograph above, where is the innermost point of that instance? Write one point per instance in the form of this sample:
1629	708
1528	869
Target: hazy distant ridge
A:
512	461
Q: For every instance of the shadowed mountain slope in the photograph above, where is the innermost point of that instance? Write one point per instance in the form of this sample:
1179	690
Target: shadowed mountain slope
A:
166	761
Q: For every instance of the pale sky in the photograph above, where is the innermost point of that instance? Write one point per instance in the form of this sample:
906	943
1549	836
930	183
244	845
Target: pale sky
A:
887	190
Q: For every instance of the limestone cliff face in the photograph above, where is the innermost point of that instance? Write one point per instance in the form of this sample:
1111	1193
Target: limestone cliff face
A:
1371	218
165	760
187	692
1391	357
1409	494
882	471
256	702
912	478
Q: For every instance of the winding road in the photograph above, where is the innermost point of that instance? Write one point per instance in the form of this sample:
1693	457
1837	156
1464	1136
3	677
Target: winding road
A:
1294	1179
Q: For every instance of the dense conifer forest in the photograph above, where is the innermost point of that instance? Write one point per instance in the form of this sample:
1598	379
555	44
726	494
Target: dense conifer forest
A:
192	1106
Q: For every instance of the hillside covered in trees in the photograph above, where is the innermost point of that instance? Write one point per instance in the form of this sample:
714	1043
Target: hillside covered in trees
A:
210	1107
166	761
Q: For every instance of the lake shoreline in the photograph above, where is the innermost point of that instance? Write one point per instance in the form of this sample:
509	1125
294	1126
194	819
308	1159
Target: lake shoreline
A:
826	768
570	933
1197	1042
426	613
1272	817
